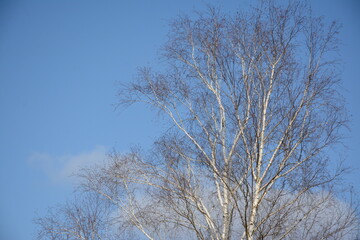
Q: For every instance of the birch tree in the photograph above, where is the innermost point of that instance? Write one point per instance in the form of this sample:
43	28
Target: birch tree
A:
254	116
254	104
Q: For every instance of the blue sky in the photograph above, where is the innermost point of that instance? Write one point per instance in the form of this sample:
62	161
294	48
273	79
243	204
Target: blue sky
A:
60	66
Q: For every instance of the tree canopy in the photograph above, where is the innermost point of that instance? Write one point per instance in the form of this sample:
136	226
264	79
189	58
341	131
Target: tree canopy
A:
253	107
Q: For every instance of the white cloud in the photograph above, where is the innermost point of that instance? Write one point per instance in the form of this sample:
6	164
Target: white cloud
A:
61	168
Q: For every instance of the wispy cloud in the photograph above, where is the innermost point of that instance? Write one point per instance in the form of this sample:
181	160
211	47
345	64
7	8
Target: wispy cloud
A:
61	168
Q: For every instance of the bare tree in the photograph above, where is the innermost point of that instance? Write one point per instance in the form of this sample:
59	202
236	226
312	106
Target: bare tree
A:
87	217
254	104
255	110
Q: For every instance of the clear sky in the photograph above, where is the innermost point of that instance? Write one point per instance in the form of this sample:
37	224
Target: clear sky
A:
60	65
